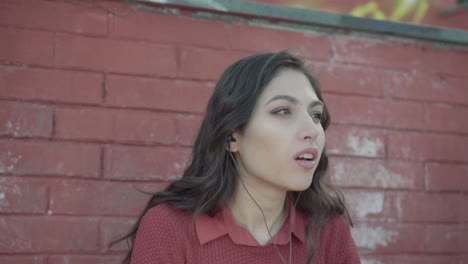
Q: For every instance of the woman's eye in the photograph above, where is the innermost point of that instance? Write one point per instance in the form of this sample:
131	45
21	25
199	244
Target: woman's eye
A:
283	111
316	116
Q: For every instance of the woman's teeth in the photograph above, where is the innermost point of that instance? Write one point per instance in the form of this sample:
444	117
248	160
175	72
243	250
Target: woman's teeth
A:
307	156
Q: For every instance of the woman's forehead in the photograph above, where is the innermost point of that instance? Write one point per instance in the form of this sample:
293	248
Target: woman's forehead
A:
292	83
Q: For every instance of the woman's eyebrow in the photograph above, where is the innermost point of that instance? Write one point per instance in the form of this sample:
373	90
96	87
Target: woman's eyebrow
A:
293	100
283	97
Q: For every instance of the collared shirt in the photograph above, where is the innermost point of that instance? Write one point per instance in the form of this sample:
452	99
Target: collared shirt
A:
170	235
210	228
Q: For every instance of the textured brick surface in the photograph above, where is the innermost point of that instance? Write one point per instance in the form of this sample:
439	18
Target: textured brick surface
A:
76	18
96	259
115	125
169	29
25	120
18	195
388	174
160	163
175	95
430	207
374	111
26	46
23	259
72	197
187	128
39	158
427	87
206	64
50	85
389	238
350	79
355	141
422	146
112	229
30	234
400	55
100	103
445	118
114	55
260	39
446	176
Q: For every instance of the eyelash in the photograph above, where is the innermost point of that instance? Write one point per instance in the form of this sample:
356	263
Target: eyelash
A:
282	110
314	115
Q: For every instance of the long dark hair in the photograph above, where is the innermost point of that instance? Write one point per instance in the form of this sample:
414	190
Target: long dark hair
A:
208	182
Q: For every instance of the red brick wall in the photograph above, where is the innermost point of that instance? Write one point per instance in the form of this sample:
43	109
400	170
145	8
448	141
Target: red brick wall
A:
98	100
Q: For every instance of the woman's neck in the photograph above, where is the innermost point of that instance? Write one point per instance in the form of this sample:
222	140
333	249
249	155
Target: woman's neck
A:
247	213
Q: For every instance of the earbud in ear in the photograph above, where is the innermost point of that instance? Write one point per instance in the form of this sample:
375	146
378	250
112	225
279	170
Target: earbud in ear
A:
231	138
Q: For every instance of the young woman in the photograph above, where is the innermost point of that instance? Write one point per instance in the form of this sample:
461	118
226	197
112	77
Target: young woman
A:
254	191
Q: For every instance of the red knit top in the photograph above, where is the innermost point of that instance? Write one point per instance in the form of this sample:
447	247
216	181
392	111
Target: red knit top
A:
168	235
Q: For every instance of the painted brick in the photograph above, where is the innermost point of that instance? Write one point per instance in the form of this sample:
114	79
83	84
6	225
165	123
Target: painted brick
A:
446	238
376	52
39	158
174	95
86	259
446	118
31	234
400	55
261	39
464	213
446	177
373	111
355	141
463	259
420	146
54	16
388	238
413	259
445	60
115	56
19	195
72	197
427	87
169	29
206	64
112	229
400	114
188	127
15	259
26	46
115	125
429	207
145	163
25	120
350	79
387	174
50	85
368	205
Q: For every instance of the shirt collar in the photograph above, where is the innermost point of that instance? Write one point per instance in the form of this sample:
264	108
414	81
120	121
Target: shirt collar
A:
210	228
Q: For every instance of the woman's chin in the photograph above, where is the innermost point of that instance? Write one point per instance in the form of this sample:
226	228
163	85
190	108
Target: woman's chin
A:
299	186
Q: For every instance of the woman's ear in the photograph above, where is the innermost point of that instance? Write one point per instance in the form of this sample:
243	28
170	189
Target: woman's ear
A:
233	144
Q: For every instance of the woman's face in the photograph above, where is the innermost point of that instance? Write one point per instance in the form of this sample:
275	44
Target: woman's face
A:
281	144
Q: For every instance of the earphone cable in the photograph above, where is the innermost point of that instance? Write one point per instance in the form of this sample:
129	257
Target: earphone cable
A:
264	218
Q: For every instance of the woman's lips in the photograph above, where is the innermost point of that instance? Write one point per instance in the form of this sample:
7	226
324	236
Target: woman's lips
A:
306	164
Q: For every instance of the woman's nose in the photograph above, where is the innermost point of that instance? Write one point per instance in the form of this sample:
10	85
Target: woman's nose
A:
309	129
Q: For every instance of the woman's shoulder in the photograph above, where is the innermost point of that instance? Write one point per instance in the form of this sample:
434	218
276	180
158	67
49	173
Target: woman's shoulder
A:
164	215
336	228
337	221
161	236
337	242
